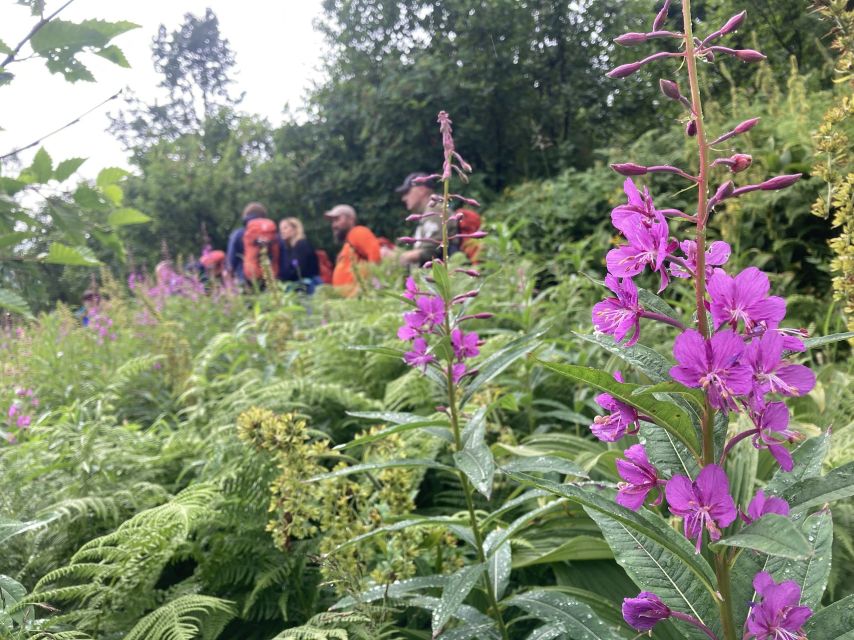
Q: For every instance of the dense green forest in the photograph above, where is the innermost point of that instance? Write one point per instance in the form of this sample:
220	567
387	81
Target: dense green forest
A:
182	458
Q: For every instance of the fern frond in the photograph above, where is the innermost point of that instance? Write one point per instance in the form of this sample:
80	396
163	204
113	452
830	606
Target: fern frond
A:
191	617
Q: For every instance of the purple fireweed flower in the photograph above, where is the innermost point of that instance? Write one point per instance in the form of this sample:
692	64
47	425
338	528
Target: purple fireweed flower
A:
623	418
464	344
407	331
617	316
649	244
715	365
744	298
640	478
13	411
458	370
645	611
760	505
411	289
704	503
772	423
23	422
772	374
716	255
779	616
638	204
430	312
418	357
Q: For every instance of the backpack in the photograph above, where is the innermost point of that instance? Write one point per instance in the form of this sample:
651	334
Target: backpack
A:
261	234
469	223
324	265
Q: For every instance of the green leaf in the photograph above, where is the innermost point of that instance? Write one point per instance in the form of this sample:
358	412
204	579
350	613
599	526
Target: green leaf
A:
41	169
440	277
429	521
669	455
651	363
548	632
11	301
543	464
10	186
11	593
113	193
398	428
4	48
375	466
820	341
499	563
835	622
807	459
88	198
11	528
813	573
109	176
114	55
772	534
520	523
458	587
475	460
575	549
578	619
6	77
811	492
67	167
495	364
72	256
664	414
652	302
397	354
393	591
695	396
655	556
126	216
15	238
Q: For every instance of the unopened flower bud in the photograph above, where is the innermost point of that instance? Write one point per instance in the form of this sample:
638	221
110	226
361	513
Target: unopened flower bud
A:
740	162
747	125
749	55
629	169
691	128
661	16
631	39
733	23
670	89
624	70
780	182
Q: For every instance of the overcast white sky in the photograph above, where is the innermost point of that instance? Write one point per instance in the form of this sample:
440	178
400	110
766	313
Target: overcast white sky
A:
277	50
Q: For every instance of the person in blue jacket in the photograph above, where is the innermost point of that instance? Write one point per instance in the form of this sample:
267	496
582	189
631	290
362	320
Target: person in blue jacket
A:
234	251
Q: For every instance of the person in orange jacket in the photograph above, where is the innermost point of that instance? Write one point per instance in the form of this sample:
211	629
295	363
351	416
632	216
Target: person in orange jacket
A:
360	245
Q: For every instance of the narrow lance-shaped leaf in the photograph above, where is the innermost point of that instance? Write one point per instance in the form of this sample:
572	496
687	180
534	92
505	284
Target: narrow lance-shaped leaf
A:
498	564
475	459
810	492
456	590
772	534
578	619
834	622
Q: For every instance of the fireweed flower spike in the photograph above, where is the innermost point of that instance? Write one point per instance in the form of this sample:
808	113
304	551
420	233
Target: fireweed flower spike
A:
715	365
648	244
640	478
778	615
703	504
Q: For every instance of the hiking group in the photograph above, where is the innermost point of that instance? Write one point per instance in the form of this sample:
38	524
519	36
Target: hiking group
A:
261	250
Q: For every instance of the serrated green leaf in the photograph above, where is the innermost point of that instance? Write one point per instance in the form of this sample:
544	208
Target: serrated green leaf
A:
664	414
41	169
126	216
772	534
113	193
834	622
67	167
499	563
456	590
494	365
820	341
88	198
110	175
810	492
114	55
475	459
579	620
11	301
59	253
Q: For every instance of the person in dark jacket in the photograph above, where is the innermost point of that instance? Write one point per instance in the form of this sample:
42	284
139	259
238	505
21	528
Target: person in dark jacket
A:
234	251
298	258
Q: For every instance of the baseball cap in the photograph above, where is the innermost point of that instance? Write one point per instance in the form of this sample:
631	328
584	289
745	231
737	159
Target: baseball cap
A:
410	181
340	210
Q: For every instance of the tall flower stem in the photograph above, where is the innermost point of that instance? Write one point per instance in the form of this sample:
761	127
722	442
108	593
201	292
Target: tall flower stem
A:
458	442
721	566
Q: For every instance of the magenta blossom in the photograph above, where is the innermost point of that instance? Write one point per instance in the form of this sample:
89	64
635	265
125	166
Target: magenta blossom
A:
744	298
430	312
772	374
638	205
779	615
760	505
716	255
411	289
648	245
23	422
458	370
617	316
716	365
464	344
772	424
623	418
645	611
418	357
640	478
704	503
